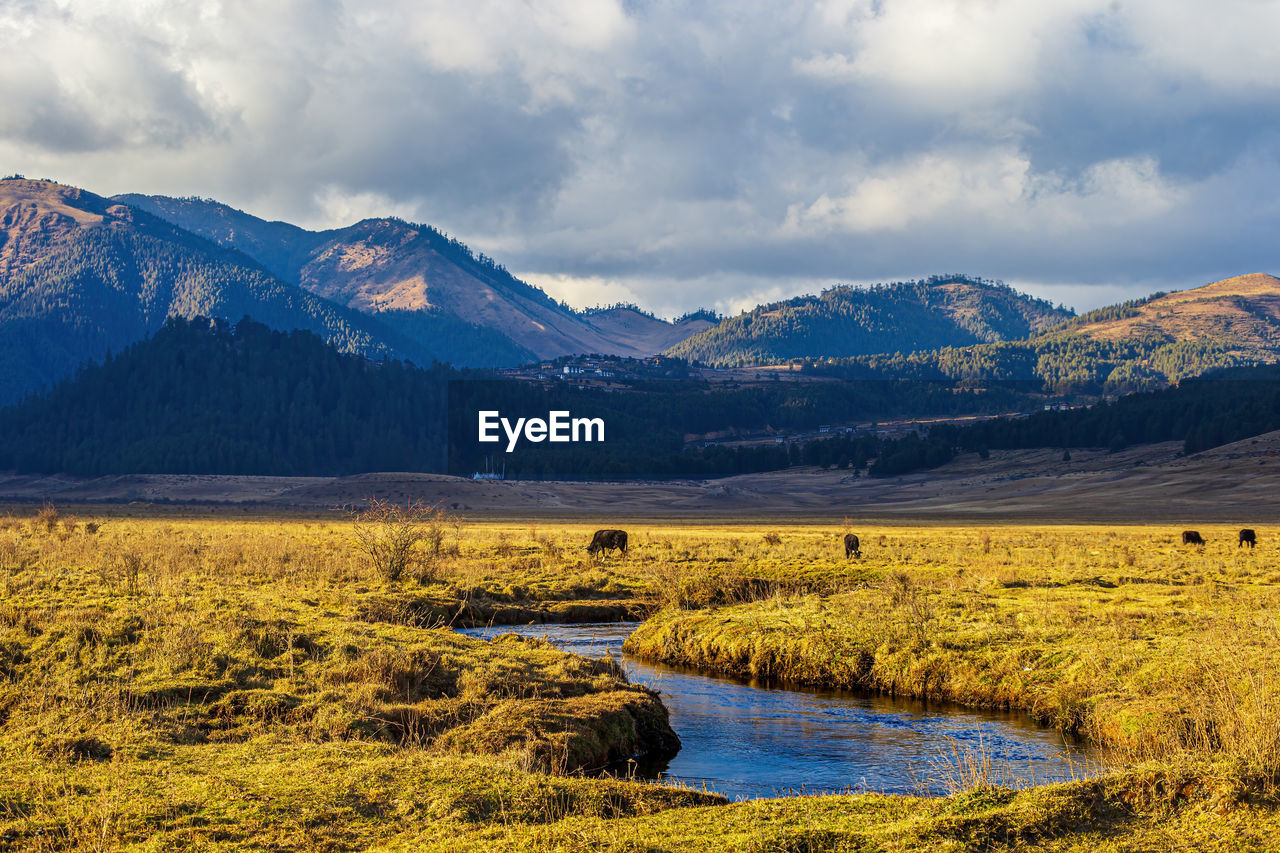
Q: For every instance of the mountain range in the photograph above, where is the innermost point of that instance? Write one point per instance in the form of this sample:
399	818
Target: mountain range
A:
418	280
82	275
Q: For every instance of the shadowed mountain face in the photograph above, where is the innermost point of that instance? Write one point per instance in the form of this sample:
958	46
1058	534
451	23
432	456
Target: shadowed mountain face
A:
424	283
942	311
81	275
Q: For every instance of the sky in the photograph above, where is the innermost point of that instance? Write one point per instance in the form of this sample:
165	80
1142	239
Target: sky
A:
717	153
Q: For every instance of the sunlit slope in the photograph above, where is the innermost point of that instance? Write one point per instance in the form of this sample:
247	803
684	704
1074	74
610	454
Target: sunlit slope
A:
644	334
1241	313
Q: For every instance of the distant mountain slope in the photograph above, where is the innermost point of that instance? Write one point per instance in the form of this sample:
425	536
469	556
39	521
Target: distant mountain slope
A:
339	266
1242	313
643	333
847	321
81	275
1138	345
278	246
421	281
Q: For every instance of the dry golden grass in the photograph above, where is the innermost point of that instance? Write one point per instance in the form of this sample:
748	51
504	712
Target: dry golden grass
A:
175	683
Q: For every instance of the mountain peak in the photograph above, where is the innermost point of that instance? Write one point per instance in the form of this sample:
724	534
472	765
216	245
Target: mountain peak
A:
1249	284
35	214
72	202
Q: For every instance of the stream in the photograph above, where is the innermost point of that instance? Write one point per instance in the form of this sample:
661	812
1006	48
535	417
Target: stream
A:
748	740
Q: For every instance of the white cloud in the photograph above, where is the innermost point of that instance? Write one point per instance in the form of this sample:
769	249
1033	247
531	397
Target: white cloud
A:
584	291
337	205
946	53
994	188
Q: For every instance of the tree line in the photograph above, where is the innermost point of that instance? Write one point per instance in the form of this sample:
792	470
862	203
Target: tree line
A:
206	396
210	397
1204	412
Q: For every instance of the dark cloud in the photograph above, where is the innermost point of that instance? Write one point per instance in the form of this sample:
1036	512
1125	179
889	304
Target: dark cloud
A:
683	154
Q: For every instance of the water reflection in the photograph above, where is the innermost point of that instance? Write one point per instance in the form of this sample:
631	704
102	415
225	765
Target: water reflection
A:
750	740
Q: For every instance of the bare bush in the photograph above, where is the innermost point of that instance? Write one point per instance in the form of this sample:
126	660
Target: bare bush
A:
48	517
550	547
399	538
504	548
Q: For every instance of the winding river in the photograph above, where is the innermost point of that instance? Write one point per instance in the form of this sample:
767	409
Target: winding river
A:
748	740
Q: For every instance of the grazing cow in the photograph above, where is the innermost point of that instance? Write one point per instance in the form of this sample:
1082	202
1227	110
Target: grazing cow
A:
1248	537
1192	537
851	546
607	540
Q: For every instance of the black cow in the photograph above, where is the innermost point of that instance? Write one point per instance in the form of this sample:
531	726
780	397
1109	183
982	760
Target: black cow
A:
1248	537
851	546
607	540
1192	537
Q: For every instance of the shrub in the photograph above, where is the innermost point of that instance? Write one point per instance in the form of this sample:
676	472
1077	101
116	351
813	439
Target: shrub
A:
392	536
48	517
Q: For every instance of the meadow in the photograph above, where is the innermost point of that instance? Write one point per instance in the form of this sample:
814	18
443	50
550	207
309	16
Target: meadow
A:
176	682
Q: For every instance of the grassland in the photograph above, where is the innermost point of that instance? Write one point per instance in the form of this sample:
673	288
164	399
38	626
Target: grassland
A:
213	684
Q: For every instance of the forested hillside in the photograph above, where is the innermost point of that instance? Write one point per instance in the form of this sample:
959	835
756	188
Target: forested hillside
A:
1138	345
847	321
203	397
1055	363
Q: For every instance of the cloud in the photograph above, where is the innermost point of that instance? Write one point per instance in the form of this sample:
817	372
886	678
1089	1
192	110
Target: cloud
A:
690	154
998	187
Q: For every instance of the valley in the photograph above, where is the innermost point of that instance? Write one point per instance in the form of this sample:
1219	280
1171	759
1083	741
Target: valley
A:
211	635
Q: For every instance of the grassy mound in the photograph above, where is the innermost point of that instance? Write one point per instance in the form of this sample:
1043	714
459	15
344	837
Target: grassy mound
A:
135	642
